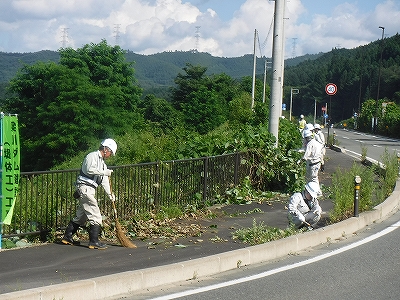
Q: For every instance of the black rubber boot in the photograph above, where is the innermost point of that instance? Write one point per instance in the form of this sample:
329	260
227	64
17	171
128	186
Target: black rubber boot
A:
94	243
72	228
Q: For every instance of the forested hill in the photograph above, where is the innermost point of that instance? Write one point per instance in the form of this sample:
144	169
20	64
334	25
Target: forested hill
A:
356	72
162	68
151	71
366	72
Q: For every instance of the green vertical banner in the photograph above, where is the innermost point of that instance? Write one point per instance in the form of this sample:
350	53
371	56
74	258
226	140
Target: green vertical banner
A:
10	167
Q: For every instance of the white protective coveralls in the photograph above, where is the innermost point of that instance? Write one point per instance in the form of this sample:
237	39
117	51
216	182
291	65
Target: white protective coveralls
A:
313	156
301	210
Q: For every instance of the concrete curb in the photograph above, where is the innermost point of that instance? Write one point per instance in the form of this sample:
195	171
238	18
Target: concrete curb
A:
128	282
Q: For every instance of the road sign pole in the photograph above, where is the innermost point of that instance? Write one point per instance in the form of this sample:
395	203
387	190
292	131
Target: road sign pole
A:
326	111
331	90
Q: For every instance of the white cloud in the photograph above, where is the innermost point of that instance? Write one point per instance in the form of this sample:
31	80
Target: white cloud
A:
149	26
346	27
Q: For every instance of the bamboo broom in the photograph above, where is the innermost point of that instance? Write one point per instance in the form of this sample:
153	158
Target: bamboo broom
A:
126	242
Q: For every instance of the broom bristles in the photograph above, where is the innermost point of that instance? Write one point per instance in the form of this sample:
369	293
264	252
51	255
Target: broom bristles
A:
120	233
122	237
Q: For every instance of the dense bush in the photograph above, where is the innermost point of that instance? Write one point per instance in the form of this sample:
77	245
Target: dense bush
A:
388	114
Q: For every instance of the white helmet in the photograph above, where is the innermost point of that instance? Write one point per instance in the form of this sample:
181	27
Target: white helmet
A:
309	126
313	189
317	126
301	116
306	133
110	143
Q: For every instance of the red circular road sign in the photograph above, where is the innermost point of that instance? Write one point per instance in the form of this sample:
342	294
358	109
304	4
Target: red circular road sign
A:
331	89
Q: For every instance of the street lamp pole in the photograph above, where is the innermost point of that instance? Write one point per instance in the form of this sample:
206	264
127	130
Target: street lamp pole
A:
315	109
292	91
379	80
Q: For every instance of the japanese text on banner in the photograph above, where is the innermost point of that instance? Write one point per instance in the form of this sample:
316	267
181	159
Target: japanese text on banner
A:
10	165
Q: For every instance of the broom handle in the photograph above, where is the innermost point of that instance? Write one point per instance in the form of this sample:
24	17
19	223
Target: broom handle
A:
113	204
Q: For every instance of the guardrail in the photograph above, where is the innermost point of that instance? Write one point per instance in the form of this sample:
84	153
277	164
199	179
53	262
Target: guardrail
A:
45	200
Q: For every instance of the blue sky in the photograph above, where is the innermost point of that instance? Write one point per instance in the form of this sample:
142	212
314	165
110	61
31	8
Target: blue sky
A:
220	27
227	8
224	8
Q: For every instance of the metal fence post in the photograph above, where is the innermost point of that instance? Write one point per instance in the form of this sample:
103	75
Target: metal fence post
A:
236	171
205	176
156	186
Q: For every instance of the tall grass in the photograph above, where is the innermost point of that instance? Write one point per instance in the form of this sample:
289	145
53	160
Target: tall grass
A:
389	174
376	185
343	191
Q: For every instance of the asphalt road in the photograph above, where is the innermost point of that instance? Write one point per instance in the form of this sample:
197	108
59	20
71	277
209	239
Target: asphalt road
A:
375	145
365	266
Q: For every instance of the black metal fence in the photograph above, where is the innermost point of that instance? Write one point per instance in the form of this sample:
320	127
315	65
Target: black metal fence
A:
45	200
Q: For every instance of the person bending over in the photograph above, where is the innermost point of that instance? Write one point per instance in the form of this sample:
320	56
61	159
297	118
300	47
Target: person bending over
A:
304	208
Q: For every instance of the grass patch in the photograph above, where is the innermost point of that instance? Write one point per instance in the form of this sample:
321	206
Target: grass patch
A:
260	233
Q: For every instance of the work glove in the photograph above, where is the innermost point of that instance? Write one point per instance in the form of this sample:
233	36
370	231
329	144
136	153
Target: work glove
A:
302	218
108	172
112	197
317	211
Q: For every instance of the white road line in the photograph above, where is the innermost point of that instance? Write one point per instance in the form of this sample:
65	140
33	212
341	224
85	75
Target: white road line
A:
353	154
281	269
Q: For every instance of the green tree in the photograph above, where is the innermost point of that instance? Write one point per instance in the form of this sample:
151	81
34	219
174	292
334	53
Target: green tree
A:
389	124
161	113
368	111
240	109
64	107
201	99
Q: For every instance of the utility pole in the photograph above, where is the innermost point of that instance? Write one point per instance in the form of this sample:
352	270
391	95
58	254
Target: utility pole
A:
292	92
379	82
254	70
265	77
275	107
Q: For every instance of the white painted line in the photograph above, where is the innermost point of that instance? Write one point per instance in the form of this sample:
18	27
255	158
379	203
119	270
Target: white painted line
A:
281	269
353	154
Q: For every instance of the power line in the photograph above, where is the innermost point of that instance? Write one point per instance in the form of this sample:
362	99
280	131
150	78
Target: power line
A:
269	32
264	44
